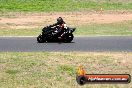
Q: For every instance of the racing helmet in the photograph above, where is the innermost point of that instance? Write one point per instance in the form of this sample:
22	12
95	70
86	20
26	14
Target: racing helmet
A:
59	20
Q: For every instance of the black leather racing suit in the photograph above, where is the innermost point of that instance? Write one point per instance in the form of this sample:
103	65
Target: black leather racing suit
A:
59	28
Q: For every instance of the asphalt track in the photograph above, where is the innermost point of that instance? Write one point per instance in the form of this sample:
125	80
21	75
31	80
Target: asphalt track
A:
90	44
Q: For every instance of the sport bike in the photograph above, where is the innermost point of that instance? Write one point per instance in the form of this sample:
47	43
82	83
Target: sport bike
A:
49	35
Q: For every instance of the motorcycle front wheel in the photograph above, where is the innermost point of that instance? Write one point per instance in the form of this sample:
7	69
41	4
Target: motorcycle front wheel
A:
68	38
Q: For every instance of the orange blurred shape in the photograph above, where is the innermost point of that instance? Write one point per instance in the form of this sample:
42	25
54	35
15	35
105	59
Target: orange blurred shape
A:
81	71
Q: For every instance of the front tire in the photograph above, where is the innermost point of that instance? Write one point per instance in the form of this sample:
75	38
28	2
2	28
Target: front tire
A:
40	39
68	38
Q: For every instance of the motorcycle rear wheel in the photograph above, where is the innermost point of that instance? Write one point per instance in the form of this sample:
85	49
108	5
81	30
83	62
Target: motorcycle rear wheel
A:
81	80
40	39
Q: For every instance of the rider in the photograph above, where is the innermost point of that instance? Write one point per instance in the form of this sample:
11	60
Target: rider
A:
60	26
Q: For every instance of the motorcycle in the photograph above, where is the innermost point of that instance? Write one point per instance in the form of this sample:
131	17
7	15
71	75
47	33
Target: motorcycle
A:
48	35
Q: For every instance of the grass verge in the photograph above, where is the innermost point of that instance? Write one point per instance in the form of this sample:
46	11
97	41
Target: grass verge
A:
122	28
62	5
58	70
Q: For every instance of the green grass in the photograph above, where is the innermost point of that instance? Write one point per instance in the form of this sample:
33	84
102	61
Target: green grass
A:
61	5
20	32
122	28
58	70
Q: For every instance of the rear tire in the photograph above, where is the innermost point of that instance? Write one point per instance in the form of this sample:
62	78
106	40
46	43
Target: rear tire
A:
40	39
81	80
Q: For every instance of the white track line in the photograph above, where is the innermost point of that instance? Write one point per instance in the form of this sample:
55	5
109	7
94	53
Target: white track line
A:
75	36
16	36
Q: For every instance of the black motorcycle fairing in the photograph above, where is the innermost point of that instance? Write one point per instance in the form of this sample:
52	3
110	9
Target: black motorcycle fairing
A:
71	30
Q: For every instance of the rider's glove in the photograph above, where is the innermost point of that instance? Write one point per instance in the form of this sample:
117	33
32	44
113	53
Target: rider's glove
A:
65	26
